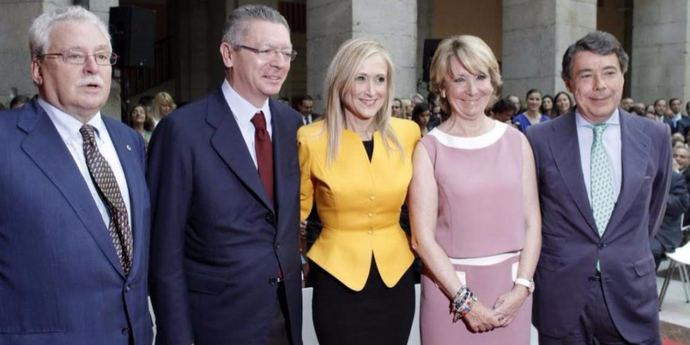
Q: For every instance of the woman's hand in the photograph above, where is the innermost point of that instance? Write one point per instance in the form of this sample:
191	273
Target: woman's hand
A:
481	318
508	304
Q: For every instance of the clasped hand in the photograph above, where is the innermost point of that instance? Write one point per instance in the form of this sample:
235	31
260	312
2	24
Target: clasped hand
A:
483	319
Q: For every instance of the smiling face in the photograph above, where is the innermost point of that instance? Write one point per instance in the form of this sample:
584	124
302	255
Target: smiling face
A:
562	103
396	108
138	115
468	94
369	89
78	90
660	107
547	103
534	102
597	84
254	77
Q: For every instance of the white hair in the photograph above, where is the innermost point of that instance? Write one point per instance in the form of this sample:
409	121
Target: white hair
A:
39	33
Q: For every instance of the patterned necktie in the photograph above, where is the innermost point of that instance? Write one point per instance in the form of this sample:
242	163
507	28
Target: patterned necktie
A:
601	177
264	152
104	179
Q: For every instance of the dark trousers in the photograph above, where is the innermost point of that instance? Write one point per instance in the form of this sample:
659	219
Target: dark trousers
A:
376	315
595	326
279	334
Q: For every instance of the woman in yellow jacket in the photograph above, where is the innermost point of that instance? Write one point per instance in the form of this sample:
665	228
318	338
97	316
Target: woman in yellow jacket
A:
356	166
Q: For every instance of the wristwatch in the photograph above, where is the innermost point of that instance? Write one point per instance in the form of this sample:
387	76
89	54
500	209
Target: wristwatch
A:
529	284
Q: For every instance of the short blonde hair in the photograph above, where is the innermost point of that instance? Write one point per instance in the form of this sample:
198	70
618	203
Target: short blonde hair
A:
474	54
340	78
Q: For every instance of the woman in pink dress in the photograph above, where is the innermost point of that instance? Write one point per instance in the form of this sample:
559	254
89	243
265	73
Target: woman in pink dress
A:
474	209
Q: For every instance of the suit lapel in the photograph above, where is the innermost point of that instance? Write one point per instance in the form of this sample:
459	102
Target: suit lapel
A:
282	156
127	152
566	152
227	140
45	147
634	148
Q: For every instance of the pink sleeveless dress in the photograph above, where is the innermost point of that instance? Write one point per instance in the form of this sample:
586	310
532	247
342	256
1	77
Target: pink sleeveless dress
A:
481	228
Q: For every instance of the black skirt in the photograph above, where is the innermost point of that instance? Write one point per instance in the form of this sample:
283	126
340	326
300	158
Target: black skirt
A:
377	315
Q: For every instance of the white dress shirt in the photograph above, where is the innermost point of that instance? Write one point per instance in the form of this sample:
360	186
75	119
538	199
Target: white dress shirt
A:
612	144
243	112
68	128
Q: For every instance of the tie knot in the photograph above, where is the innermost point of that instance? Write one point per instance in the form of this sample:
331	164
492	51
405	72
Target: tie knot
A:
259	121
599	130
87	133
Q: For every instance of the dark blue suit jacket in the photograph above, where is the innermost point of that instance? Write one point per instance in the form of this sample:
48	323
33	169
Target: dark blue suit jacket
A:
60	279
217	241
670	235
571	244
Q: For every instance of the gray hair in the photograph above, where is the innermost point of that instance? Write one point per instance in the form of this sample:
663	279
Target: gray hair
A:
39	33
598	42
236	25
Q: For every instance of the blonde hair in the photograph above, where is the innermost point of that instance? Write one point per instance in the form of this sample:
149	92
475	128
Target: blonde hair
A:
340	78
474	54
160	98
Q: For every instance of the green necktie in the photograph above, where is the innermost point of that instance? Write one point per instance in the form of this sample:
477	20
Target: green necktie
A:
601	176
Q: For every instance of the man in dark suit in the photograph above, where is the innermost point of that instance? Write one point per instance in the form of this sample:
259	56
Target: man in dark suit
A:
224	181
670	235
603	178
74	210
306	107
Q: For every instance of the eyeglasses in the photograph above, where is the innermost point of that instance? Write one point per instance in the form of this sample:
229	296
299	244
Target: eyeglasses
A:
78	57
289	54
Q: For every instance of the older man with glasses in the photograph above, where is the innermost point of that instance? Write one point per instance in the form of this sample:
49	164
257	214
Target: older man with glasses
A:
224	181
74	211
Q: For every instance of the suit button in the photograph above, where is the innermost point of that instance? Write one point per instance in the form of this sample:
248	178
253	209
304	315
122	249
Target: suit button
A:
277	245
127	288
603	245
270	218
125	331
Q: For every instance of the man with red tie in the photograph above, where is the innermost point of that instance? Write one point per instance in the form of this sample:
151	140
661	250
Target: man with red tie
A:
224	182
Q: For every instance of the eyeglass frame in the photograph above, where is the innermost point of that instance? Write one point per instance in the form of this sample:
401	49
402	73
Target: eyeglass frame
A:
261	52
112	59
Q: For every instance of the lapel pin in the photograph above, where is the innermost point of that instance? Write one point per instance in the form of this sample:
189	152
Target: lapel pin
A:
129	148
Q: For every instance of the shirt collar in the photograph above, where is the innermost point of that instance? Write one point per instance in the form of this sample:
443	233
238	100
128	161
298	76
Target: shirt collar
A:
614	120
242	110
67	125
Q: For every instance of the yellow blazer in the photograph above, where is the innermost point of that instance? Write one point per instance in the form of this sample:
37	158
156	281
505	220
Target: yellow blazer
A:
358	202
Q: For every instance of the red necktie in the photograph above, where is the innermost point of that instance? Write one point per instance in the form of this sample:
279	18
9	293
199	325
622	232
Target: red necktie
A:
264	152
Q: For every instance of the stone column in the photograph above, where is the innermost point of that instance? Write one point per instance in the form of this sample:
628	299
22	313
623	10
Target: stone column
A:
332	22
536	33
14	46
660	45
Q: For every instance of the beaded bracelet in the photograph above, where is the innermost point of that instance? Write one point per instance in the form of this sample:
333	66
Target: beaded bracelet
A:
462	303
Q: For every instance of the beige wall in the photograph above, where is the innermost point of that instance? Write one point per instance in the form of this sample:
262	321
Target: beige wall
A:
480	18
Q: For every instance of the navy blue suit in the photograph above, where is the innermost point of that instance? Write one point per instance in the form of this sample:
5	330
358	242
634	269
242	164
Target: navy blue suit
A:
571	244
60	279
217	240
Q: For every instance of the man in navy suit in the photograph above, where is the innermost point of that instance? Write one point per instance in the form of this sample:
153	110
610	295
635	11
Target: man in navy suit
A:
225	265
73	262
603	179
